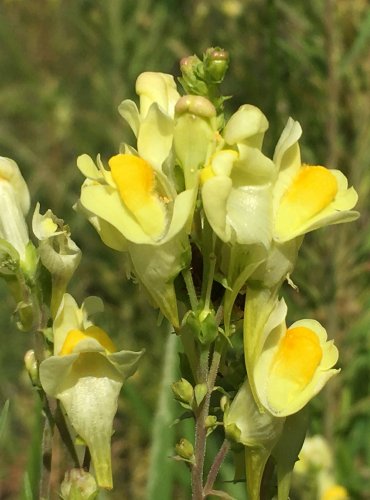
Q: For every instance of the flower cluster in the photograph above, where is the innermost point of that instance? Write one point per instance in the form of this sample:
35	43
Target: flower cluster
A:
210	227
196	206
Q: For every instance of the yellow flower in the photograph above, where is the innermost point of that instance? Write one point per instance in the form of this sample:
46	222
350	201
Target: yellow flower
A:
135	209
86	374
307	197
335	492
237	183
289	366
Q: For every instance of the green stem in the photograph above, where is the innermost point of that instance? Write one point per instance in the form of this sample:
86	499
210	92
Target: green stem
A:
212	475
200	431
186	273
207	376
209	261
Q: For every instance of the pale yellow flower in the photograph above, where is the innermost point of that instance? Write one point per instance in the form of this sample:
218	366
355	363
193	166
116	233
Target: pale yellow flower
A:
14	206
237	183
86	374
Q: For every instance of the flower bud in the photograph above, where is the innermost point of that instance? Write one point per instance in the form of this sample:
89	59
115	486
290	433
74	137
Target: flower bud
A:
216	62
31	365
78	484
203	326
185	449
224	403
192	75
183	391
200	390
196	105
210	423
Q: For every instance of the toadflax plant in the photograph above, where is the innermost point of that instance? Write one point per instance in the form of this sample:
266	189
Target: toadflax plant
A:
211	228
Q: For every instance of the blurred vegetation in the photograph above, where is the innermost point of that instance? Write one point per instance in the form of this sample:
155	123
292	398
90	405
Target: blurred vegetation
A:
65	67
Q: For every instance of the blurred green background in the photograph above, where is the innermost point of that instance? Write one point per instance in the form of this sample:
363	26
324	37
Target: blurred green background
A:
65	66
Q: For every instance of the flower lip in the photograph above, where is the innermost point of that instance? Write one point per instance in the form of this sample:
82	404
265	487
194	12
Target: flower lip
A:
312	190
93	338
298	344
135	181
293	364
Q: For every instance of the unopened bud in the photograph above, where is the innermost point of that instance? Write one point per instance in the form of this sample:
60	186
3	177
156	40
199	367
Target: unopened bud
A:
200	391
31	365
78	484
195	105
216	62
203	326
183	391
224	403
188	64
185	449
210	423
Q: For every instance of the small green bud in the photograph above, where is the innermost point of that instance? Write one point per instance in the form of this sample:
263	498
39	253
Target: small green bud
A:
210	423
216	62
183	391
193	75
185	449
32	368
188	65
224	403
30	262
200	390
203	326
78	484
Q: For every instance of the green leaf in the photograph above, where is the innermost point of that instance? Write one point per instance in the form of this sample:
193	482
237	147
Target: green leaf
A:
3	418
160	475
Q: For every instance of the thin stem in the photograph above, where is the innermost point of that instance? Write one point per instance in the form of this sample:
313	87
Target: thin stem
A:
214	470
186	273
87	460
200	431
200	417
211	272
209	261
47	449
